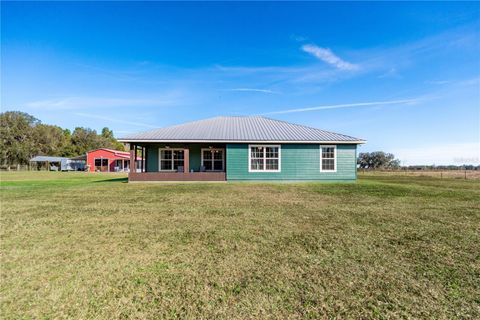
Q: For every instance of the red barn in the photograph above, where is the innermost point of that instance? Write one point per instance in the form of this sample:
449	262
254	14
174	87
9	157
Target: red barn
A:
108	160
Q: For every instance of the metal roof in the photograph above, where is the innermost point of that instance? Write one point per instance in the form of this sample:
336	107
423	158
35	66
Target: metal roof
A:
47	158
81	157
111	150
237	129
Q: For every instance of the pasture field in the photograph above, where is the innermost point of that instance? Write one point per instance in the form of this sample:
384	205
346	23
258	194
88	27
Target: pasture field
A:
449	174
81	246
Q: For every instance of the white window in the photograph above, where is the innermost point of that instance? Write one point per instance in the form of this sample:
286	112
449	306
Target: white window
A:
264	158
212	159
170	159
328	158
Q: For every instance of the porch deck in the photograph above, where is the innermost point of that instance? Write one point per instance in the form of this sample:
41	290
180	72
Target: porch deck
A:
176	176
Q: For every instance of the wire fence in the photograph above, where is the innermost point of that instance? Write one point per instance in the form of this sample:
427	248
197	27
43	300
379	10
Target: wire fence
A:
26	167
16	167
436	173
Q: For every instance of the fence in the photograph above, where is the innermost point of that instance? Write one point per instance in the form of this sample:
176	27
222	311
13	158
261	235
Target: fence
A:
26	167
436	173
16	167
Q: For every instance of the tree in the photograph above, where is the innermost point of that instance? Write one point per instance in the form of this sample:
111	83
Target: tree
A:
69	149
85	139
118	145
17	142
377	160
107	134
50	140
23	136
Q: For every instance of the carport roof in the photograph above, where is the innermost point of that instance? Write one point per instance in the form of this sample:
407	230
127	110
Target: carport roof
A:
47	158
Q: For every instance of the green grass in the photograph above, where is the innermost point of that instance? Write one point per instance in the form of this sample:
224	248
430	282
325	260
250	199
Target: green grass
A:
77	245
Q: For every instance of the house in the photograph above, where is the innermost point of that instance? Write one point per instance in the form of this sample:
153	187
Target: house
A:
243	148
108	160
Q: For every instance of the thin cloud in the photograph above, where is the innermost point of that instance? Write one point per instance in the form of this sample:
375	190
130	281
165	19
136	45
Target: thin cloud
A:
293	76
110	119
346	105
255	70
326	55
94	102
391	73
298	38
119	75
438	82
253	90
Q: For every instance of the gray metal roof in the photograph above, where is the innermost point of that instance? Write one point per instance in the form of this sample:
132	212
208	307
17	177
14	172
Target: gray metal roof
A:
240	129
47	158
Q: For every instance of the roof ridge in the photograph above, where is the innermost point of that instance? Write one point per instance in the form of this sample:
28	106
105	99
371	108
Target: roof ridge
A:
107	149
182	124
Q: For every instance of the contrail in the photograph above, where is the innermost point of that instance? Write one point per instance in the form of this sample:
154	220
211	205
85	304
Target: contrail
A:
346	105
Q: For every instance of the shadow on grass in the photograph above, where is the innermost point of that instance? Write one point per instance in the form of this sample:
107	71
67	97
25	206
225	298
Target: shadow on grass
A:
123	180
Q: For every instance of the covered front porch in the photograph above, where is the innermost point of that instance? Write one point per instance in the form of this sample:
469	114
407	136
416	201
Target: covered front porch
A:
178	162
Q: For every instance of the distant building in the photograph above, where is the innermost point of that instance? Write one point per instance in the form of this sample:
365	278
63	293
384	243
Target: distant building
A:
58	163
108	160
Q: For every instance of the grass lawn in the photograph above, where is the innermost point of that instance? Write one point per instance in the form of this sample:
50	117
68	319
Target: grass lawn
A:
77	245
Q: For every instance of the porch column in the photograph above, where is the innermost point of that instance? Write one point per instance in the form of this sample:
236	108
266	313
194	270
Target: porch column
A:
132	157
145	159
186	160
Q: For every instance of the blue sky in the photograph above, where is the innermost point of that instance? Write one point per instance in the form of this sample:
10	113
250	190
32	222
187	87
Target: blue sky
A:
404	76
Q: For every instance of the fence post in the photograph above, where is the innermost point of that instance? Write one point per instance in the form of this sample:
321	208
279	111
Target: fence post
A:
465	174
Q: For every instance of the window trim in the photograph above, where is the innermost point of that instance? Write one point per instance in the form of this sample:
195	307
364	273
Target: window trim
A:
160	159
264	158
334	146
212	149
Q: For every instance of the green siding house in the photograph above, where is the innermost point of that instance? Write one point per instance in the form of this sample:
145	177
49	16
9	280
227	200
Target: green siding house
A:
242	149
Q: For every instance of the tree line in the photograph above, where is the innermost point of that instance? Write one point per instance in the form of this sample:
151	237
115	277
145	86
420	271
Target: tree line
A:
23	136
377	160
387	161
